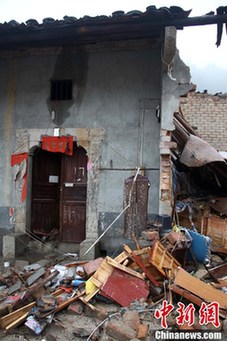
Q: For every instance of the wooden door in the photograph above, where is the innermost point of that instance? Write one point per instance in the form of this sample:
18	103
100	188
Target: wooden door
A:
73	195
45	192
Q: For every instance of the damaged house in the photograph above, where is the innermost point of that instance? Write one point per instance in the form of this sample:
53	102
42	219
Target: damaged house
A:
85	105
200	179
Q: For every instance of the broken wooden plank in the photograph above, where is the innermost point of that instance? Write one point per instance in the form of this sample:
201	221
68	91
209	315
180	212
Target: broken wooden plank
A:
136	241
69	301
219	271
17	322
121	257
141	265
186	294
101	275
191	297
61	306
16	315
10	318
99	278
200	289
161	259
91	294
124	268
222	283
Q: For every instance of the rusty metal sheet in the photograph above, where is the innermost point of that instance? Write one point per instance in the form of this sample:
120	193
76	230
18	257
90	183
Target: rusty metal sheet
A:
124	288
198	152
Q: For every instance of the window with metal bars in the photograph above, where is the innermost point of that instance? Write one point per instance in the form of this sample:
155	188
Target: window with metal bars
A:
61	89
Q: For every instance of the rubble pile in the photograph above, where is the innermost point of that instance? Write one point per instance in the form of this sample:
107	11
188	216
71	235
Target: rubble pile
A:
140	282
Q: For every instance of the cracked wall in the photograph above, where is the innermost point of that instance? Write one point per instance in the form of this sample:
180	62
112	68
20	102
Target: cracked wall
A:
175	83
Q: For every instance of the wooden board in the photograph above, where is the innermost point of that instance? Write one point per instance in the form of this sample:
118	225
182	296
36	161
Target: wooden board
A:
17	314
124	268
217	231
200	289
219	271
124	288
99	278
102	274
161	259
145	253
138	260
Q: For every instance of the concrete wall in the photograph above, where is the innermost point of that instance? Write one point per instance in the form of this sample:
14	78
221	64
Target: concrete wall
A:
115	90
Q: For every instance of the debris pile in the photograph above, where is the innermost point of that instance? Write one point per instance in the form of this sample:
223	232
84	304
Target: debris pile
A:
137	281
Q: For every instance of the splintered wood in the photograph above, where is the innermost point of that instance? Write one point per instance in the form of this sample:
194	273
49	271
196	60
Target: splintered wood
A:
163	261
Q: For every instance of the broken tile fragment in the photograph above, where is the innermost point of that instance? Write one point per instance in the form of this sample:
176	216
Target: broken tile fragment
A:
36	275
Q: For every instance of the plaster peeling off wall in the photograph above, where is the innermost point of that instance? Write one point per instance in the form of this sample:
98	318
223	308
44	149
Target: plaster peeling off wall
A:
175	83
175	79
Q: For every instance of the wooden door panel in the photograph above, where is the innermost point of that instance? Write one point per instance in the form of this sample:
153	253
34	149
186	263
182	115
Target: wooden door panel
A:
45	192
74	215
73	196
44	218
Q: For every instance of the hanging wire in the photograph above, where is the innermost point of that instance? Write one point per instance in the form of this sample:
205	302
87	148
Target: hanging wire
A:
119	215
32	236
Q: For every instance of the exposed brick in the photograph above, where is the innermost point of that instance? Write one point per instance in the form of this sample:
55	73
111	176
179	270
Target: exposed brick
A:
132	319
76	308
150	235
142	331
209	114
120	331
175	237
92	266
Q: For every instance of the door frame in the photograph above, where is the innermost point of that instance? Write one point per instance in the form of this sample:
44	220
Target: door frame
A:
91	140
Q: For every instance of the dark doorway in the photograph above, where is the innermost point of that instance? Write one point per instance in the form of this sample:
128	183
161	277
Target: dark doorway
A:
59	192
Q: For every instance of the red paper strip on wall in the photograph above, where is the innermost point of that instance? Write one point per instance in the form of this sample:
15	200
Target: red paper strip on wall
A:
55	144
16	159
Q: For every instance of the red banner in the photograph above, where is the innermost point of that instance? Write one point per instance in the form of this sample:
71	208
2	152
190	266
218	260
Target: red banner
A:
16	159
55	144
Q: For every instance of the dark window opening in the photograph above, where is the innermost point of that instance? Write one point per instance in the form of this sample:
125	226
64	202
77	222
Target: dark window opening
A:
61	90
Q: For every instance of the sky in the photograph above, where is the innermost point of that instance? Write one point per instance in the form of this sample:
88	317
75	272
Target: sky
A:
208	64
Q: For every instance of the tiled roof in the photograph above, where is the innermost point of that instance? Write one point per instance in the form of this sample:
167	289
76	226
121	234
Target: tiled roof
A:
51	31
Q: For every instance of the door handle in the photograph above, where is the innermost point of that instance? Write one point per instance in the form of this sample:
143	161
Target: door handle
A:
82	168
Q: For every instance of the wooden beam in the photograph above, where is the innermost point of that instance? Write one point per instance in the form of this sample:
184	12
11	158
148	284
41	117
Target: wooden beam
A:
200	289
141	265
17	314
124	268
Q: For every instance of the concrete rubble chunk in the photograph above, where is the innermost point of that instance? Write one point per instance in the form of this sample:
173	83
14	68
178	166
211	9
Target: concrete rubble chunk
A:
36	275
150	235
76	308
20	264
15	287
119	330
31	267
91	266
142	331
132	319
